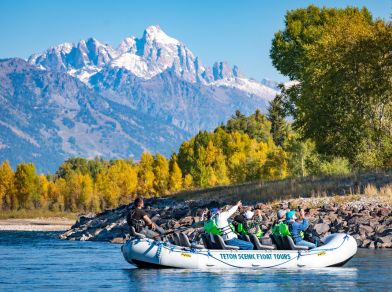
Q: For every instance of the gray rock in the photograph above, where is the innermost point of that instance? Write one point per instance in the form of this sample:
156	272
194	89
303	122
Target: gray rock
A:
119	240
364	229
385	239
321	228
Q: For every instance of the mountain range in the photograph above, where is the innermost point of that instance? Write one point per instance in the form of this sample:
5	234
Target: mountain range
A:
89	99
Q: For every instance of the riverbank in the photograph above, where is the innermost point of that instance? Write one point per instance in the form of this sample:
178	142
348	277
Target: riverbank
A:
367	217
36	224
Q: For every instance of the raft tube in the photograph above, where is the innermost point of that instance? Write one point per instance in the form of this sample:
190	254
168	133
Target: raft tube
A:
147	253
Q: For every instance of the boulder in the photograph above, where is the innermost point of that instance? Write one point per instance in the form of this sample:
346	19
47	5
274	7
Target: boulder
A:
179	213
321	228
188	220
329	208
385	239
83	220
366	243
119	240
103	235
383	212
85	237
364	229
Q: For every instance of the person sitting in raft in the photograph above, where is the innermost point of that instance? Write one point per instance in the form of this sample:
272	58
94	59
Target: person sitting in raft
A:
296	228
254	223
248	222
228	235
139	219
276	226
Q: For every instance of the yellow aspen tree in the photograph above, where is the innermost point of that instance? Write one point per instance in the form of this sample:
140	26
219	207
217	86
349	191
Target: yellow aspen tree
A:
85	196
276	166
7	189
58	193
146	175
188	181
27	186
107	188
72	192
161	174
124	175
43	191
175	180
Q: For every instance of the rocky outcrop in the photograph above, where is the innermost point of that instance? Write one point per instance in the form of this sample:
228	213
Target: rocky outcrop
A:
368	219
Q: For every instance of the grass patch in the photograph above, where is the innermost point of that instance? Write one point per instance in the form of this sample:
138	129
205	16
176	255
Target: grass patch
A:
36	213
304	187
384	192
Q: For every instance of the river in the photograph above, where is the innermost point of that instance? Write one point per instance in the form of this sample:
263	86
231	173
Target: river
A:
36	261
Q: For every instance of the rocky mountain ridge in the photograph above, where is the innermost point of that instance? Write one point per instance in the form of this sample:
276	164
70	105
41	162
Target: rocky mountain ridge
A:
145	57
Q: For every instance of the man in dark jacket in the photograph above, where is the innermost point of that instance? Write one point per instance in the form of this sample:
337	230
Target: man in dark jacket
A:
139	219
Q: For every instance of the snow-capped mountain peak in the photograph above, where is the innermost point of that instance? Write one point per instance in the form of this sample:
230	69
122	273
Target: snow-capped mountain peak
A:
155	33
145	57
128	45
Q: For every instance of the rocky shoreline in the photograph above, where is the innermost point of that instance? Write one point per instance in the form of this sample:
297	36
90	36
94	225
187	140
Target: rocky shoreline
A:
367	219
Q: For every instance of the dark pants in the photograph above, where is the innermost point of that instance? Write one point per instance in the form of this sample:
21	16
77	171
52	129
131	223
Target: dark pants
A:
242	244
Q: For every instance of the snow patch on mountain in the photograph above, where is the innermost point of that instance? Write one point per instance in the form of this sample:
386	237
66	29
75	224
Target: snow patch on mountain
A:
135	64
247	85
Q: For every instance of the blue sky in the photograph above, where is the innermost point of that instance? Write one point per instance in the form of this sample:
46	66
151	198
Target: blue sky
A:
239	32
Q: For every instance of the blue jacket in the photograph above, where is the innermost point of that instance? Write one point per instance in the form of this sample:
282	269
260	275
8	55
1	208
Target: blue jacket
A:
296	229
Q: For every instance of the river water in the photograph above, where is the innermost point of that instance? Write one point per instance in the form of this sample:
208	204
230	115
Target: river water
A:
36	261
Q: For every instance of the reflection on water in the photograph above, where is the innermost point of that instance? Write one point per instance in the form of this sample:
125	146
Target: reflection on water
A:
39	261
330	278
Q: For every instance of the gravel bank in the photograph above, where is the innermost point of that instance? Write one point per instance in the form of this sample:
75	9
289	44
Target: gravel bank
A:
36	224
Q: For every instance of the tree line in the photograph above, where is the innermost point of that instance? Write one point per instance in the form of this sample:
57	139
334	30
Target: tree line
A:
245	148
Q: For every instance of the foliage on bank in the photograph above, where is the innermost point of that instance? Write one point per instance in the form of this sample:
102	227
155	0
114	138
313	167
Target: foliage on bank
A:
342	99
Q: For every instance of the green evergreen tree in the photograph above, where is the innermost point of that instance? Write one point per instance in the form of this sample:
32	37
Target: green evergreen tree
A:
276	115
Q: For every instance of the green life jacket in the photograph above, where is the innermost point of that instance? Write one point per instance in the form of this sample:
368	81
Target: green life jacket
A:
241	229
275	229
281	229
211	227
284	230
259	232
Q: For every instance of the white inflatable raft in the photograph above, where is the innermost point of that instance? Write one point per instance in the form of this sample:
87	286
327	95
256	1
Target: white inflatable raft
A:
147	253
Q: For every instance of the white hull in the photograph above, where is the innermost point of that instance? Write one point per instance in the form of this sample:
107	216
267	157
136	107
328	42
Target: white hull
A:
338	249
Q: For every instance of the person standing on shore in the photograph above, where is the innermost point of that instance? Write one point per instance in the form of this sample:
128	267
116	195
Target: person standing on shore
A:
139	219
